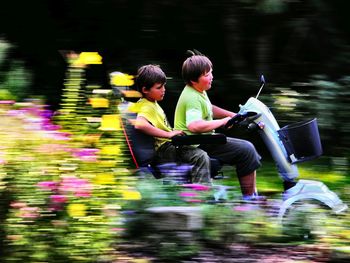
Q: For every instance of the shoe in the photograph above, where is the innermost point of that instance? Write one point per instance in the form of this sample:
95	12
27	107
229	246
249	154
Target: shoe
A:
254	198
288	184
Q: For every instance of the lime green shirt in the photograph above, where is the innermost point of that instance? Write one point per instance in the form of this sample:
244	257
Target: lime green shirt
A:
152	112
192	106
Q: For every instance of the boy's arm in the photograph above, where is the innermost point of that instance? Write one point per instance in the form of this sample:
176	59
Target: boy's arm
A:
143	125
219	113
201	126
198	125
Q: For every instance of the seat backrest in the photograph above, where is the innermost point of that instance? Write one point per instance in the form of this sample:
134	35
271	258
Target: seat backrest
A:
141	145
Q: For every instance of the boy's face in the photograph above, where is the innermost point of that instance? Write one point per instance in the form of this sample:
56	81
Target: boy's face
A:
204	81
155	93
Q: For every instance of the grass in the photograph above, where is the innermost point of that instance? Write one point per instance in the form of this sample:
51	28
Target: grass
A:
269	181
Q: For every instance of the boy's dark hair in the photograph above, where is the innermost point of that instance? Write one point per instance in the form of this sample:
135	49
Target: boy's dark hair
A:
194	66
148	75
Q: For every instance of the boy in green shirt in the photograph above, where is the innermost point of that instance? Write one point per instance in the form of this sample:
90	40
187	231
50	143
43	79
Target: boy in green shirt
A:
195	114
152	120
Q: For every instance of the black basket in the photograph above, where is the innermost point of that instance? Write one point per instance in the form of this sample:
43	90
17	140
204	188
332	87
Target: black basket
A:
301	140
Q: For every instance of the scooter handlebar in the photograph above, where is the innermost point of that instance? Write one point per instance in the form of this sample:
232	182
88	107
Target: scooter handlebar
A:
240	118
235	120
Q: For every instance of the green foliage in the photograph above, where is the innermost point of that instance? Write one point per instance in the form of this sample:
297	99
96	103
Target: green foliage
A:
327	100
332	107
6	95
60	191
4	47
241	222
16	80
176	249
272	6
219	228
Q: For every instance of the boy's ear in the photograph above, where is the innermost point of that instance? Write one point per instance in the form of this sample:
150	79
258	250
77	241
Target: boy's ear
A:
144	90
192	82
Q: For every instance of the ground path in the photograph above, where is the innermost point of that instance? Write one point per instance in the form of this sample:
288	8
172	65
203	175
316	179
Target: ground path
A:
237	253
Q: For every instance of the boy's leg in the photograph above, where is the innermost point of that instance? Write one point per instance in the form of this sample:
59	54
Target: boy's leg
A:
194	156
248	184
200	161
243	155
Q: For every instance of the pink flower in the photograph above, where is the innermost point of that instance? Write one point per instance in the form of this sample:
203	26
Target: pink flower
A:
86	154
197	187
116	229
18	204
7	102
58	199
58	136
82	193
188	194
15	113
2	160
244	208
52	148
47	185
50	126
29	212
80	187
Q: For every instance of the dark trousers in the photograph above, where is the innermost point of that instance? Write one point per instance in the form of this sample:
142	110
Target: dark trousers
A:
240	153
196	157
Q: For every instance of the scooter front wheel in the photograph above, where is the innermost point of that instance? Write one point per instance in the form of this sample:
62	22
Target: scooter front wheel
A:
306	220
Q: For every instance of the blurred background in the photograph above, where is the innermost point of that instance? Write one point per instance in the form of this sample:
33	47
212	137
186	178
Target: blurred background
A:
302	48
48	205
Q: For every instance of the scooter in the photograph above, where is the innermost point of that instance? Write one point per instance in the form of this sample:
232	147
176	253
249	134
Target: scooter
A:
288	146
292	144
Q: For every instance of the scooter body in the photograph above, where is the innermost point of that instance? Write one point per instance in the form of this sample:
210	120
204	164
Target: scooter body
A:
268	128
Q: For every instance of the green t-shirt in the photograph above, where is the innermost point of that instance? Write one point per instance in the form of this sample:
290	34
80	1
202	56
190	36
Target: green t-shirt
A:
152	112
192	106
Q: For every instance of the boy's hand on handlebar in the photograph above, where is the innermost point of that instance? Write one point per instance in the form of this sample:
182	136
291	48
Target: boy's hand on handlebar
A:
235	120
225	120
175	133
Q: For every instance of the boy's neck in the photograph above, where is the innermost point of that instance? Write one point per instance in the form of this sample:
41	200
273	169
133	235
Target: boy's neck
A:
195	88
154	101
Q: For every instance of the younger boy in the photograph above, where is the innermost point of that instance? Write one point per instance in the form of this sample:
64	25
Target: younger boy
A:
195	114
152	120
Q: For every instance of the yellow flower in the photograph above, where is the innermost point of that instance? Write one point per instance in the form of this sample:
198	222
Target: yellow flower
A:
99	102
76	210
121	79
89	58
105	178
111	150
110	123
131	195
